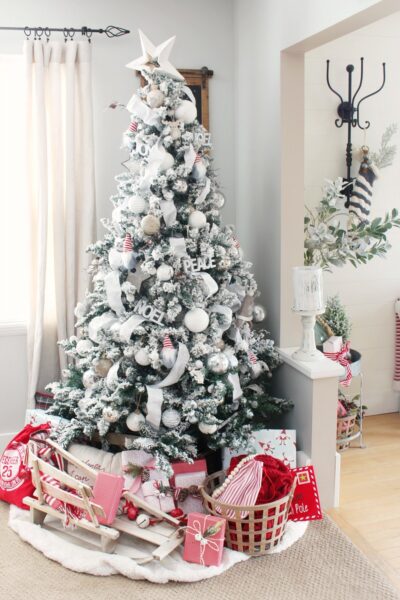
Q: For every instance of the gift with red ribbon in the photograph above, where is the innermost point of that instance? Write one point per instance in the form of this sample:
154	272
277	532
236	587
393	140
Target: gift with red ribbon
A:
158	493
204	539
342	358
186	481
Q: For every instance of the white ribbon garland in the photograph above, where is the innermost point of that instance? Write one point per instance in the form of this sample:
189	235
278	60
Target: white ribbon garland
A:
190	157
113	292
100	323
156	157
154	391
128	327
210	284
168	210
178	246
139	109
233	379
189	93
112	376
204	193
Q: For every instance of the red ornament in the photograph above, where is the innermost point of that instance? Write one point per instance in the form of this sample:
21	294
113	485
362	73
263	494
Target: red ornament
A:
132	512
177	513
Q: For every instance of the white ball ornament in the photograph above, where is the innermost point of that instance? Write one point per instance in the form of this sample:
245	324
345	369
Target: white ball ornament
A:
137	205
208	428
80	310
167	162
218	363
134	421
102	366
164	272
142	357
196	320
170	418
197	219
155	98
143	521
110	414
259	313
89	378
186	111
150	224
83	347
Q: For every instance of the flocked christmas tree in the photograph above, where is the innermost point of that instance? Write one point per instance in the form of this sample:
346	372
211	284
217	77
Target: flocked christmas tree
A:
167	351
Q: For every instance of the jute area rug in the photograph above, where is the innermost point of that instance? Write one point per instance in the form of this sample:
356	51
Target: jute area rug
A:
323	565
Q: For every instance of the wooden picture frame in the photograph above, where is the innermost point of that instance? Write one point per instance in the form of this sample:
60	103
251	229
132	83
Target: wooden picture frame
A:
197	81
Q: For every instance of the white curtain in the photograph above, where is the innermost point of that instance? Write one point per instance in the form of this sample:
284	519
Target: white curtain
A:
61	196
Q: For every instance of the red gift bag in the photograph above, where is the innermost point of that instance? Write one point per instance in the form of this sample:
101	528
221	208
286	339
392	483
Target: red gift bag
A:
15	476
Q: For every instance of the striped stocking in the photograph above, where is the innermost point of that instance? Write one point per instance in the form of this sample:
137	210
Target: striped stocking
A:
361	196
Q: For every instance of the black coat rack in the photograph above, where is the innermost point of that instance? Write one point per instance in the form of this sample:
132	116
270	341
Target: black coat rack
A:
349	113
69	32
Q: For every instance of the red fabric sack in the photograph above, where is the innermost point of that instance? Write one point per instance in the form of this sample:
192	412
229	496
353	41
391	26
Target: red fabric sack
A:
15	476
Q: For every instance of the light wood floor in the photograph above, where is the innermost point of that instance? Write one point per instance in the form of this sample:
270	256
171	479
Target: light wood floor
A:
369	512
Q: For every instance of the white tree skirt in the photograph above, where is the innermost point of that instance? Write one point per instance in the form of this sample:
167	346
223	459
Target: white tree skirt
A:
77	552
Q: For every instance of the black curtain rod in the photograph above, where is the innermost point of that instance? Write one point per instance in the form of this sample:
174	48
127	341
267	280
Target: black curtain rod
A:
69	32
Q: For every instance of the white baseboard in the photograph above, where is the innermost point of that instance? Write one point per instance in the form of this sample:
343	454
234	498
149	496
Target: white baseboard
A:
5	438
338	464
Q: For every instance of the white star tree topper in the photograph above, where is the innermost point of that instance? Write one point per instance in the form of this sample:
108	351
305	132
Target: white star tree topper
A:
155	58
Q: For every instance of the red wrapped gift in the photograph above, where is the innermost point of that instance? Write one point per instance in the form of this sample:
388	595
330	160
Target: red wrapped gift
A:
186	481
204	539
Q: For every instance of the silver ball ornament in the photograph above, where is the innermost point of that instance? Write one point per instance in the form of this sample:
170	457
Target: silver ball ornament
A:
218	200
170	418
207	428
259	313
196	320
83	347
102	366
89	378
150	224
110	414
218	363
134	421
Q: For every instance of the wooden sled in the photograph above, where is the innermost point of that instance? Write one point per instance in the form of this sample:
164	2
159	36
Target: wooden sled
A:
166	536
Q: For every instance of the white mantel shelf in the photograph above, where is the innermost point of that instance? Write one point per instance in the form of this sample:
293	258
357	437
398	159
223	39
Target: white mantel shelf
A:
320	369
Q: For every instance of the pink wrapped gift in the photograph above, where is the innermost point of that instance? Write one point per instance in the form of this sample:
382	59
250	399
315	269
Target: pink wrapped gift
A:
204	539
185	481
159	494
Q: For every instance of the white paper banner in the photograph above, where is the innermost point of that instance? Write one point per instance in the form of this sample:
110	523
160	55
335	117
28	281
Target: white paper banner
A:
168	209
113	292
190	156
178	246
223	310
129	326
139	109
101	323
204	193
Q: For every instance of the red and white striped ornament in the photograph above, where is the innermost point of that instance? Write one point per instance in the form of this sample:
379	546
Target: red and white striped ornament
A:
252	358
133	127
128	257
198	158
168	353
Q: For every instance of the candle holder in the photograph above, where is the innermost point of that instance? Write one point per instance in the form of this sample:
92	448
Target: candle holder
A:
308	303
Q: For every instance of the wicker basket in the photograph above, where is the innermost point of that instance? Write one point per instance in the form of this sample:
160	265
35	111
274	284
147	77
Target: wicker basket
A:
345	429
260	531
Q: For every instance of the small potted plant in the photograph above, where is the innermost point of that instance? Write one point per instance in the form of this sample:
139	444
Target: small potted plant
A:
349	414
